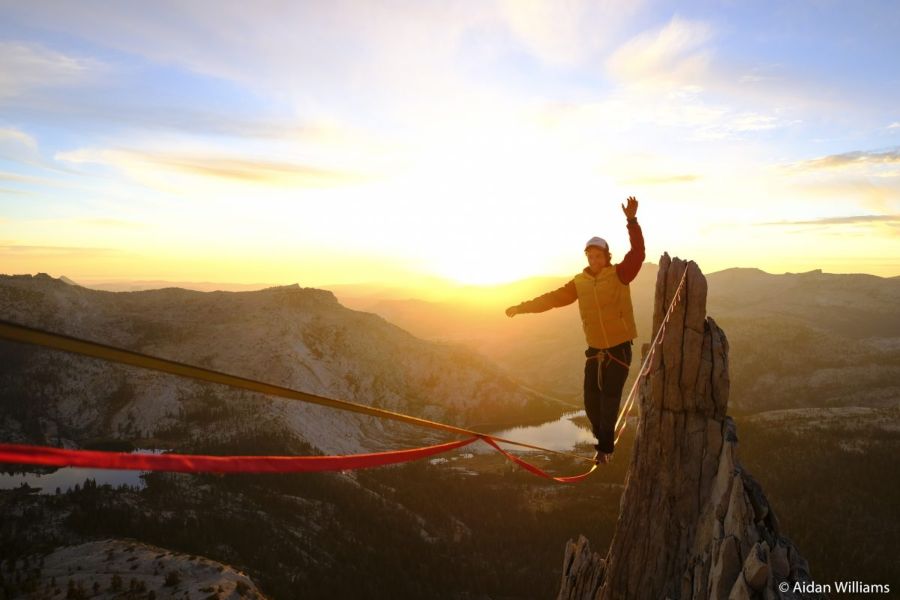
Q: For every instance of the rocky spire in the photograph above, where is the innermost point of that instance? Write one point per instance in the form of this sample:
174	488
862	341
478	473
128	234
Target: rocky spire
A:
693	523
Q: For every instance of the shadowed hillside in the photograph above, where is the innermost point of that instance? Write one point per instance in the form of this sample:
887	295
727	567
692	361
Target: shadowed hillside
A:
289	336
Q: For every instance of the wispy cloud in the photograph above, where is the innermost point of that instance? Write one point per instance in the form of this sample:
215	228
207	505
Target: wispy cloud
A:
675	54
25	66
566	32
17	138
894	125
113	223
848	220
696	83
20	147
670	76
19	178
247	170
16	193
868	191
662	179
54	251
306	54
62	182
254	171
858	157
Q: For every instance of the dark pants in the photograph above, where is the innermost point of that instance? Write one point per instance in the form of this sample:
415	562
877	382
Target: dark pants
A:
601	402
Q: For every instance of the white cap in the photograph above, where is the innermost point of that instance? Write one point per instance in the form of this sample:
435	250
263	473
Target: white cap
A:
596	241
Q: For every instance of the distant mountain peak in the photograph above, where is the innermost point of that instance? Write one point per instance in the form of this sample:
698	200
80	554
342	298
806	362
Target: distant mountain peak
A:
813	272
741	271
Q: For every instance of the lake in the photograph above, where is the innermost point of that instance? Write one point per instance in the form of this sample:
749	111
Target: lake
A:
562	434
66	477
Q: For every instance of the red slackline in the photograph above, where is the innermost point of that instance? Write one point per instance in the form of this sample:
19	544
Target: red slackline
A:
197	463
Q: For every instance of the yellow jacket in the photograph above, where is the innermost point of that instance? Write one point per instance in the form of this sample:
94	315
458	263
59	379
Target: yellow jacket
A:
604	300
605	306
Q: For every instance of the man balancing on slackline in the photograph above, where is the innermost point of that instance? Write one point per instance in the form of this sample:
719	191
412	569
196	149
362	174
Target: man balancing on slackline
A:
604	301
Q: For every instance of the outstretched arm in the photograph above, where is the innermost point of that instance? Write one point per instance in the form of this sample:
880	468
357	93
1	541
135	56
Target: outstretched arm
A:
628	269
558	297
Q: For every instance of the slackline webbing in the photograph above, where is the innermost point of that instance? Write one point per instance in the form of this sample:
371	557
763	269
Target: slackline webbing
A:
196	463
28	454
60	457
30	335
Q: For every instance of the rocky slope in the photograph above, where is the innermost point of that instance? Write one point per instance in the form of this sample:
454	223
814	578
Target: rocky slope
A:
807	340
693	522
289	336
107	569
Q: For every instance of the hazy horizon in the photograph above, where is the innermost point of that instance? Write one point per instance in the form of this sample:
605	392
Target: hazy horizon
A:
439	289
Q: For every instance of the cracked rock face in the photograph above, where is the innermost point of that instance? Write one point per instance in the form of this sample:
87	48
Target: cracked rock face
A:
693	523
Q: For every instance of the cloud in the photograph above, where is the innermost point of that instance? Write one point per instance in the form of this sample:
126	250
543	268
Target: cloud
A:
856	158
662	179
894	125
566	32
255	171
292	47
208	166
19	250
18	146
668	77
15	192
688	114
684	73
19	178
675	54
871	192
64	181
25	66
871	177
17	138
279	72
113	223
304	54
848	220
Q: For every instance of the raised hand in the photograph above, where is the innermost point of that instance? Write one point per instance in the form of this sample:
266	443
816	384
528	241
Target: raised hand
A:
630	210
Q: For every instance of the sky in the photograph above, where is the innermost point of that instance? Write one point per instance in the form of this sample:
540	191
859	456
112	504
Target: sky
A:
481	141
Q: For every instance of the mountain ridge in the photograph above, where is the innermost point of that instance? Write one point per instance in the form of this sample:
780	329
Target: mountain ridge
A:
286	335
831	339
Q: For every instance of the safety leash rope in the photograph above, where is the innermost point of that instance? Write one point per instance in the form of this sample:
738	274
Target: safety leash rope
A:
604	354
622	419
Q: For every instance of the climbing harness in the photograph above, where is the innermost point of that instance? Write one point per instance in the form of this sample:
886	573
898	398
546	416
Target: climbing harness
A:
603	357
